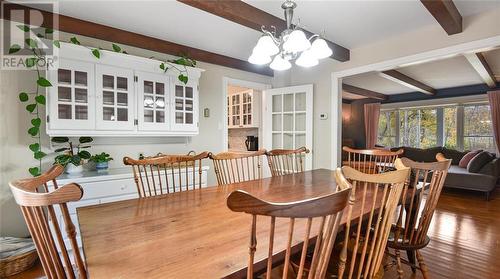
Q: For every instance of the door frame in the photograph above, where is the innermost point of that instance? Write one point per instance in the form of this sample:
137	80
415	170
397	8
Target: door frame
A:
243	83
336	78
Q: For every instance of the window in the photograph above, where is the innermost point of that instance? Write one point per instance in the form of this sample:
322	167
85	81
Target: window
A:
462	127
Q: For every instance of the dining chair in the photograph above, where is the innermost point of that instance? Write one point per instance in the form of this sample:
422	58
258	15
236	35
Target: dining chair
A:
164	174
374	196
418	203
326	211
38	207
286	161
370	161
234	167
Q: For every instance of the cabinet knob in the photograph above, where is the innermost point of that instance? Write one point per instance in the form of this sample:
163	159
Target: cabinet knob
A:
123	187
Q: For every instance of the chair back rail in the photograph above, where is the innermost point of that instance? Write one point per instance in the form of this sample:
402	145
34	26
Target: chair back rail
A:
371	160
326	209
286	161
234	167
419	200
37	205
364	243
164	174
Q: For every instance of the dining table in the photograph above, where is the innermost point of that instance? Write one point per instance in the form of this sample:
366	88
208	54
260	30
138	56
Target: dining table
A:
193	234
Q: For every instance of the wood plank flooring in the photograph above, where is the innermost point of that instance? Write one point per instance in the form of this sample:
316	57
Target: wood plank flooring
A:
465	239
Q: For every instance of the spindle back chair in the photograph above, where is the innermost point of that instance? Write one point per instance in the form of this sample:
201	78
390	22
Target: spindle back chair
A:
418	203
286	161
327	210
234	167
371	161
38	207
164	174
362	249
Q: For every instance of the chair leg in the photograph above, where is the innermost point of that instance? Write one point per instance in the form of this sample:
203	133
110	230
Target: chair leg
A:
423	266
412	259
398	260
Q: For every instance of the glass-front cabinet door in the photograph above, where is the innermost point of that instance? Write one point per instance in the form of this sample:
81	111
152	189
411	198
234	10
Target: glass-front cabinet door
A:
71	98
247	108
115	98
185	106
236	110
153	102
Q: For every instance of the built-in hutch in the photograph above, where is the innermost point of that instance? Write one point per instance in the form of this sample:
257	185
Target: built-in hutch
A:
119	95
243	109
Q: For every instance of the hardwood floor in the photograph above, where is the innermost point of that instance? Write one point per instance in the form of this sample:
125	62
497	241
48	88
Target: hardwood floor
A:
465	239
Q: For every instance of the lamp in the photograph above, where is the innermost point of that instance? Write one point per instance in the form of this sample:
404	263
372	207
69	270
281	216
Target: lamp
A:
307	59
320	49
280	64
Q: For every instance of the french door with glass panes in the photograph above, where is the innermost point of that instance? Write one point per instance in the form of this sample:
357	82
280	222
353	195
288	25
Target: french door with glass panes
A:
289	119
115	98
71	96
185	106
153	102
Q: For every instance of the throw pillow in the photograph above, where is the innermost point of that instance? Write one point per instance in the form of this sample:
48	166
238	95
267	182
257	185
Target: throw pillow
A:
478	162
467	157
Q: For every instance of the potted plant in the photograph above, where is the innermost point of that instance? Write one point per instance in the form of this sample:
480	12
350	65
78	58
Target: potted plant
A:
101	160
72	156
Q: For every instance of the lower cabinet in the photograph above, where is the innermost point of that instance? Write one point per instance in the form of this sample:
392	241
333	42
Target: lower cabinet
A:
99	188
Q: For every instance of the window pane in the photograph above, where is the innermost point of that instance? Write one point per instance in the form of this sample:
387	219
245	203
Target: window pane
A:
478	132
428	128
387	129
450	127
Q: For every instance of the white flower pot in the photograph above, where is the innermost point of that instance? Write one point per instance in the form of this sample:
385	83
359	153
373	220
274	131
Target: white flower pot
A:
72	169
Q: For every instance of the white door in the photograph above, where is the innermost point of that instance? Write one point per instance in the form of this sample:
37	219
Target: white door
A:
71	99
288	119
115	98
153	102
185	106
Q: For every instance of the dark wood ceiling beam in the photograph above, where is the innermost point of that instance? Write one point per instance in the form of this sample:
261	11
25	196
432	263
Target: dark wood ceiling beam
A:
251	17
479	64
363	92
107	33
446	14
407	81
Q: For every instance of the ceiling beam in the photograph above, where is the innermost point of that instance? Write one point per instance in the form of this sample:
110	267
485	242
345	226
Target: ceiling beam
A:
251	17
407	81
482	68
363	92
446	14
111	34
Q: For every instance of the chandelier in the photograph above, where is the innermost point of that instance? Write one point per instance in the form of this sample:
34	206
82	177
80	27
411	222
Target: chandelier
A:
292	44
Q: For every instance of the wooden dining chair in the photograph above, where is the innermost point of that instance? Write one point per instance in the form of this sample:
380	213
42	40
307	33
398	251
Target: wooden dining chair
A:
374	196
37	206
370	161
286	161
418	202
326	211
234	167
164	174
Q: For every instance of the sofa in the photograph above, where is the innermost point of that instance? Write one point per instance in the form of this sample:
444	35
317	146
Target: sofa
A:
485	180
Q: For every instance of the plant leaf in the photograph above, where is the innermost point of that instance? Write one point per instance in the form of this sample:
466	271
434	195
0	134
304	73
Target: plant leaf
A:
62	159
162	66
35	171
30	62
31	43
59	139
184	79
117	48
57	43
61	149
34	147
23	97
43	82
39	155
31	107
33	131
84	154
96	53
85	139
14	48
40	99
49	31
36	122
74	40
124	52
75	160
39	35
24	28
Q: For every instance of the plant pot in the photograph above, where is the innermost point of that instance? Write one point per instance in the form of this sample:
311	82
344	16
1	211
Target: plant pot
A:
101	166
72	169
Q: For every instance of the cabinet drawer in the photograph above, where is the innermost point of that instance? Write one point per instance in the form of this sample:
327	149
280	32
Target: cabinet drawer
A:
101	189
120	198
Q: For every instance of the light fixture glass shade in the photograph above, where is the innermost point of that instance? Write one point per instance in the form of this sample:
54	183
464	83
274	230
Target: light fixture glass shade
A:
307	59
296	42
266	46
280	64
259	59
320	49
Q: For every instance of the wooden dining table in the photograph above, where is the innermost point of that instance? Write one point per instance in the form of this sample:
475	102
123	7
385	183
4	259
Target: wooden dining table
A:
193	234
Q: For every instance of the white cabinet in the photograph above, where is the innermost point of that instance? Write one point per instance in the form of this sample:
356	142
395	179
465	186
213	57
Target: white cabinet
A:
119	95
243	109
